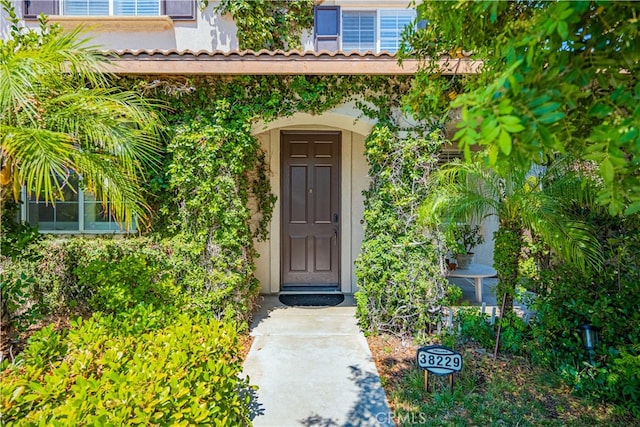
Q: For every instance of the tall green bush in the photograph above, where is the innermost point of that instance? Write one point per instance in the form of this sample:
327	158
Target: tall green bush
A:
608	300
400	286
209	169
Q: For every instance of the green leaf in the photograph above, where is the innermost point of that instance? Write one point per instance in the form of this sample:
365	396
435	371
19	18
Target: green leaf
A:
505	108
628	136
633	208
509	120
563	30
505	142
606	170
513	128
551	118
515	84
545	108
459	134
494	12
600	110
489	129
537	101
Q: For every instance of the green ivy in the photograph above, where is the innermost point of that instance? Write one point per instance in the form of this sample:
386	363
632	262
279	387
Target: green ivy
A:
212	152
400	286
269	24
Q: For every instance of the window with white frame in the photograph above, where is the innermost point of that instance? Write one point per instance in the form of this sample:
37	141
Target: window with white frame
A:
78	211
180	10
391	25
110	7
361	30
358	31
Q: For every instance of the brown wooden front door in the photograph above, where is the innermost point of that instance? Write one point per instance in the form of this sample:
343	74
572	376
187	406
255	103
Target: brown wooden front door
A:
310	198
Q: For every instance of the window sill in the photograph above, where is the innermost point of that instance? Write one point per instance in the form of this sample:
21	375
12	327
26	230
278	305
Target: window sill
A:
87	232
115	23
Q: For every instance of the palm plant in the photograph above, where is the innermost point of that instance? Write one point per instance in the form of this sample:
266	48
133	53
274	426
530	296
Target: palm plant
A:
469	191
60	116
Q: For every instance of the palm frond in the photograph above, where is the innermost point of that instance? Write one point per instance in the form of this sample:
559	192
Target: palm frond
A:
59	113
37	157
114	187
108	121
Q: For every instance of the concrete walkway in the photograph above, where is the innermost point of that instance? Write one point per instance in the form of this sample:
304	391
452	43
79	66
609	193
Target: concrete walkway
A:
313	367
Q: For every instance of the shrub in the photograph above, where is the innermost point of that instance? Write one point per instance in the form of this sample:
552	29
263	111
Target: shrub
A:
15	238
515	335
17	308
474	325
607	299
118	285
142	367
397	292
79	275
400	286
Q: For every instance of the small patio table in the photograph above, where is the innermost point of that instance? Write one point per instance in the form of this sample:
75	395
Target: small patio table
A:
477	272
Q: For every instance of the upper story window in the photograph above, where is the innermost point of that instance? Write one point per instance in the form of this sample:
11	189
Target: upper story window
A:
110	7
360	30
175	9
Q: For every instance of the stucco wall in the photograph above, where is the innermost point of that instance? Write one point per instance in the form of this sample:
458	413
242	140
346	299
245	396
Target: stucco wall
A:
208	32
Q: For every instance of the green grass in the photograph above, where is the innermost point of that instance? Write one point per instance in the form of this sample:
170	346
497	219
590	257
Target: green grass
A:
496	392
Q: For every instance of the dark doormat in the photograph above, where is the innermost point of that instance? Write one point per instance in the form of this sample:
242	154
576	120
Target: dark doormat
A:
311	300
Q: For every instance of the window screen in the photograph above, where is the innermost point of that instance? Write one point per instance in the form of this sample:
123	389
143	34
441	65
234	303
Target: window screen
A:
118	7
327	21
96	216
77	212
63	215
136	7
358	31
392	22
86	7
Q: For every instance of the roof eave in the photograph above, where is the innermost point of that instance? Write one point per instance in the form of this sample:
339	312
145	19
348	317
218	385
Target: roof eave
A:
278	63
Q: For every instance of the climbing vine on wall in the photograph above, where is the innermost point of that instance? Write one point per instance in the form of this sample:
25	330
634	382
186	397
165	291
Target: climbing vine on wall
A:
215	166
401	288
269	24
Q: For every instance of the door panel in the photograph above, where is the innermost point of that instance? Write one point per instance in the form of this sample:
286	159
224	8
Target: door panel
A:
310	208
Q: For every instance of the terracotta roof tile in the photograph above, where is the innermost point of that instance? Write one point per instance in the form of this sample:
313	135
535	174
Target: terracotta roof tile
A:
259	53
174	61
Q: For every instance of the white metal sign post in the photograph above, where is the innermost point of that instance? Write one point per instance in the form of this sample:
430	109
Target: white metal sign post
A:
438	360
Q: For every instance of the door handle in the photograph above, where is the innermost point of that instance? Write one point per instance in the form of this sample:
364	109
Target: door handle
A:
335	233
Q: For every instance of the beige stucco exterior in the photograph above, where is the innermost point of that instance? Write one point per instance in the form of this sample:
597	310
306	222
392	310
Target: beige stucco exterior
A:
209	31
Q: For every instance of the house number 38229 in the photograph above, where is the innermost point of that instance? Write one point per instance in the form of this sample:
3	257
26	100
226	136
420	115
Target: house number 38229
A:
439	360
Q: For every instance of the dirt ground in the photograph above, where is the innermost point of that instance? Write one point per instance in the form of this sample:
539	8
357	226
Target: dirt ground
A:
393	356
